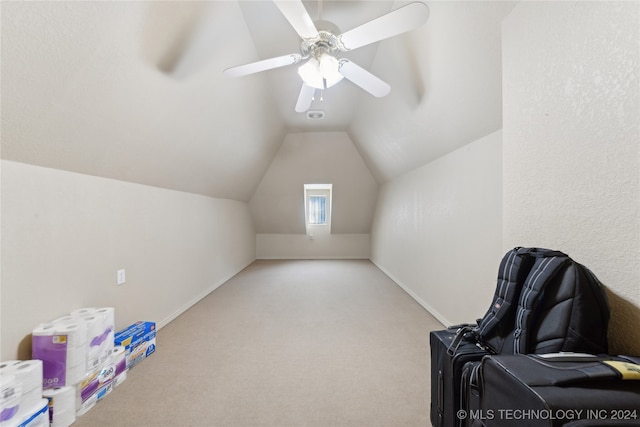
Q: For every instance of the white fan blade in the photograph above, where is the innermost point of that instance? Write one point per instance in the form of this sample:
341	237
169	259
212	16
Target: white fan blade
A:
364	79
298	17
266	64
305	98
396	22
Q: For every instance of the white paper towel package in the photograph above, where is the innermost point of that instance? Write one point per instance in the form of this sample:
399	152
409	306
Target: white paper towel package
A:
20	392
74	346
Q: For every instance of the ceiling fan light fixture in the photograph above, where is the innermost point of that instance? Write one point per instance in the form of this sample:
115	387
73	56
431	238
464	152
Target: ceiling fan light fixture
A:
310	73
321	73
329	68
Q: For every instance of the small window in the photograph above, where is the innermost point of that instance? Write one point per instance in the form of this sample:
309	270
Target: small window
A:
318	210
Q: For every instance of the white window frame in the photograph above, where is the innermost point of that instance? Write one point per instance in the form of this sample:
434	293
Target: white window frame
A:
323	190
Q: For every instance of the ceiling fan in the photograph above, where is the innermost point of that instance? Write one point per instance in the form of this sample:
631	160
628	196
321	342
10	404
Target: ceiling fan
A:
320	48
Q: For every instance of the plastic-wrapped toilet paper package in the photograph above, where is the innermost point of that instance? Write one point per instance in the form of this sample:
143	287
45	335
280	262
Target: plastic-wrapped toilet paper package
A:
94	330
29	373
76	361
100	330
108	316
94	387
51	348
20	390
62	406
74	346
104	341
36	415
76	332
119	379
119	360
10	393
62	349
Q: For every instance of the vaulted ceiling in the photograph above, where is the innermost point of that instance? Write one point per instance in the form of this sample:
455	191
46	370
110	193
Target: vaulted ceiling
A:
134	90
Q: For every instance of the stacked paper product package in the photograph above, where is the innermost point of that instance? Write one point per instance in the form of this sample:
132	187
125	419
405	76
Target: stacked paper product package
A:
21	401
138	340
80	363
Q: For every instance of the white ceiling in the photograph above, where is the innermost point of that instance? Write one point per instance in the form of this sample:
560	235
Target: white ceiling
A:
134	90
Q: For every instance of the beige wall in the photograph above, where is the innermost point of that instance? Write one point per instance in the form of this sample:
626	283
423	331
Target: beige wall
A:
322	246
277	207
437	231
64	236
572	143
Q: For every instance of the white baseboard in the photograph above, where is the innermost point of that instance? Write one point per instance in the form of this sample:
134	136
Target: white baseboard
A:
311	257
187	306
419	300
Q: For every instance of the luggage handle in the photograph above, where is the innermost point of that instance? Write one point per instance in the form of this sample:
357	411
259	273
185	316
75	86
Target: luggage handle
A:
464	332
568	357
460	325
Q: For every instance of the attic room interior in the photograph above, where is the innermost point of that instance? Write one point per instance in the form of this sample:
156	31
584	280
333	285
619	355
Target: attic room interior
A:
126	148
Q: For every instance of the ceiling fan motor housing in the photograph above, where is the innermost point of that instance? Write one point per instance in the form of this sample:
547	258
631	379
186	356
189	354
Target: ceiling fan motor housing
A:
325	43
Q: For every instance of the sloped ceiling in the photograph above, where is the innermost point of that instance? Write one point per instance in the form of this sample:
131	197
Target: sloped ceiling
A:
134	90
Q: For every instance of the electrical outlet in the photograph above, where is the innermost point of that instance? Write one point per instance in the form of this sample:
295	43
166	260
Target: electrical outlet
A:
121	277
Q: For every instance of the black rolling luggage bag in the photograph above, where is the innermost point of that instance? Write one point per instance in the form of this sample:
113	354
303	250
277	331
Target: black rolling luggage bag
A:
557	390
446	373
544	302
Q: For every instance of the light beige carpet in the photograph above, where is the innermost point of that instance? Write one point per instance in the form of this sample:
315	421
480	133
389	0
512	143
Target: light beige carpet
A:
285	343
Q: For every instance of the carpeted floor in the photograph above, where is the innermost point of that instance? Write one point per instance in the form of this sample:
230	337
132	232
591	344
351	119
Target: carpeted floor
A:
285	343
